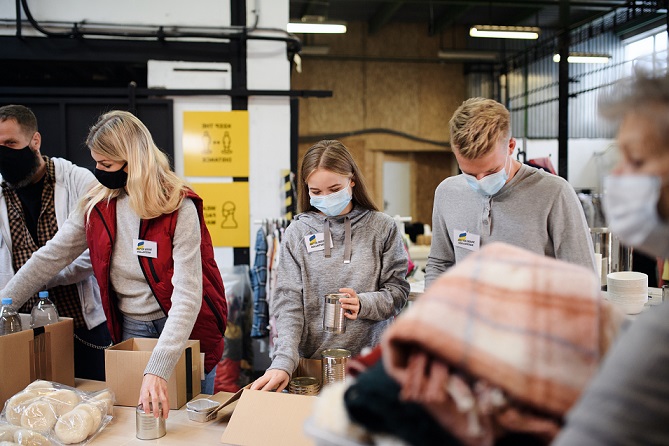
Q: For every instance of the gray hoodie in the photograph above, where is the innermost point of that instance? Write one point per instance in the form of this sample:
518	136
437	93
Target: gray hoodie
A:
376	272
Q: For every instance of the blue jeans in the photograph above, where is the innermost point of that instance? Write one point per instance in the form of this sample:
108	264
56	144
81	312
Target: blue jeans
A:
132	328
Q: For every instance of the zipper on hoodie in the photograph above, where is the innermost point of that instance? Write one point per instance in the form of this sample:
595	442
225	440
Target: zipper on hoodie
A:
214	310
111	252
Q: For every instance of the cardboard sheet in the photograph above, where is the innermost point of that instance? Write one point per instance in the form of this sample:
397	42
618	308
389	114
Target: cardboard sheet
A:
269	418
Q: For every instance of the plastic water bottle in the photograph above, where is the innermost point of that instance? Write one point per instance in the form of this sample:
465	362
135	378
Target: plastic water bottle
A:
10	322
44	311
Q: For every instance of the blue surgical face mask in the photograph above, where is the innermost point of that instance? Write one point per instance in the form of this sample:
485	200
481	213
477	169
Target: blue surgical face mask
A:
332	204
490	184
630	206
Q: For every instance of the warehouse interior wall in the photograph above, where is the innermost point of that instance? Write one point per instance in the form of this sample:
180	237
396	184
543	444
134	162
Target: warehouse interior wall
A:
392	99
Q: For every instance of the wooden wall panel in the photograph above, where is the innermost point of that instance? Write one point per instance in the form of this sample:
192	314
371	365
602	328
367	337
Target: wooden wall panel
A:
389	80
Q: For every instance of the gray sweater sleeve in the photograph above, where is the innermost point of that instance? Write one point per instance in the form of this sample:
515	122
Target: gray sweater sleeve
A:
569	230
393	291
627	402
442	255
187	294
288	307
68	243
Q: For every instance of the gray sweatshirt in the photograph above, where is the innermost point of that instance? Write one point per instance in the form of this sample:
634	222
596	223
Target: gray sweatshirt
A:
376	272
70	241
536	210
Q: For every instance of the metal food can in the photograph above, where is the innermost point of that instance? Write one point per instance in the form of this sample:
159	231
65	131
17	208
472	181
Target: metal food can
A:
304	385
334	320
334	364
149	427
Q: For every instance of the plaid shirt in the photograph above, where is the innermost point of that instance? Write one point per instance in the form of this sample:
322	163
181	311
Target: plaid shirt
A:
66	298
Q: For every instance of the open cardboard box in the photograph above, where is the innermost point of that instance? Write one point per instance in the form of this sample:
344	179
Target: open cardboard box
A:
40	353
124	369
263	418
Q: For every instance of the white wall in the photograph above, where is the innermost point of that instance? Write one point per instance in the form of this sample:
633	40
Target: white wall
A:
585	158
129	12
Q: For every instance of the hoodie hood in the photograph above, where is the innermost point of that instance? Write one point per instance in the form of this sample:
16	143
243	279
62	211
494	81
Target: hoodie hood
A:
315	220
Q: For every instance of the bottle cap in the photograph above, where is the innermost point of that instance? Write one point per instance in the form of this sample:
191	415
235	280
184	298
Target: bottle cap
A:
7	301
43	294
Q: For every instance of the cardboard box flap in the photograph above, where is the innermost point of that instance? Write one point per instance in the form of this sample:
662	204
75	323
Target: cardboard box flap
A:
281	417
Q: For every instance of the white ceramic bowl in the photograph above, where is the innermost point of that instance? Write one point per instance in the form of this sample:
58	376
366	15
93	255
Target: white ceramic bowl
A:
627	297
626	280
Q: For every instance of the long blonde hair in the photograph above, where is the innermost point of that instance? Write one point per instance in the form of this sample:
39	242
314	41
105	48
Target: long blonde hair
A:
332	156
153	188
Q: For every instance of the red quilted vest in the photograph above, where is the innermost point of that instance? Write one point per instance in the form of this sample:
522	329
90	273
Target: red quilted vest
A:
211	321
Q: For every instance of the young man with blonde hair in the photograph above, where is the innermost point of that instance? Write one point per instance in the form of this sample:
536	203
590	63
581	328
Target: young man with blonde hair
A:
497	198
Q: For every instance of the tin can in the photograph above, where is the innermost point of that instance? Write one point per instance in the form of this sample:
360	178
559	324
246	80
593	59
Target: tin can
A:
149	427
304	385
334	320
334	364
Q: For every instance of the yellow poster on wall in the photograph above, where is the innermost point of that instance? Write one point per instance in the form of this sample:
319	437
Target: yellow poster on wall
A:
226	212
216	144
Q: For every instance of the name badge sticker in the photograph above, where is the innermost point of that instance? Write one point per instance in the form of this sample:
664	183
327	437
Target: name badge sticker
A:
466	240
145	248
316	242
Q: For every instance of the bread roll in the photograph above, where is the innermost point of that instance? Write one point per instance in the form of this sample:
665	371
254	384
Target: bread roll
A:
41	387
74	426
106	398
63	400
39	416
7	432
95	413
9	443
16	405
27	437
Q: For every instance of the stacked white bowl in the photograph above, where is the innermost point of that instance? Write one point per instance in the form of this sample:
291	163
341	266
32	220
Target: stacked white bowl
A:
628	290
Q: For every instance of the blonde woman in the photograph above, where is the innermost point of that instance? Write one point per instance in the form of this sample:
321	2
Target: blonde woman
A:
365	260
150	251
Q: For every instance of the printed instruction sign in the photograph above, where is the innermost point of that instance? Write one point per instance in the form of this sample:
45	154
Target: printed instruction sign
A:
226	212
216	143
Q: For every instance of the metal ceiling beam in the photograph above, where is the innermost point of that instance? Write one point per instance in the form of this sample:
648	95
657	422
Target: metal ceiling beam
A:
505	3
448	18
384	14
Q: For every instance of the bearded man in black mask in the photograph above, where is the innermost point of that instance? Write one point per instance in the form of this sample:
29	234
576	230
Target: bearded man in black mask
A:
37	193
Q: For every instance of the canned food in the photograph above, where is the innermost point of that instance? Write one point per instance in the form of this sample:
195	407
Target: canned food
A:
334	364
304	385
334	320
149	427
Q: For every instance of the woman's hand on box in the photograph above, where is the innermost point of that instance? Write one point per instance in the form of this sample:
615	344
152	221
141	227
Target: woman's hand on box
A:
273	379
153	394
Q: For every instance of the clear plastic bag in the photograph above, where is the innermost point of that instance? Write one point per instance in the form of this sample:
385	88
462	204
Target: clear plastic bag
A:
46	413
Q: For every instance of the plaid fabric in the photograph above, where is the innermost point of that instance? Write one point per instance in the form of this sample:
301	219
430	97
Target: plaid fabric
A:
532	326
66	298
258	285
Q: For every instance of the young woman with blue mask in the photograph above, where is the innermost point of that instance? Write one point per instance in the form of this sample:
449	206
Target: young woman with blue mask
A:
339	243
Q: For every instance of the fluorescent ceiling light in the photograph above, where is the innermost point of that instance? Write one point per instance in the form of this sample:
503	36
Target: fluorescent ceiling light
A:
505	32
322	28
584	58
468	55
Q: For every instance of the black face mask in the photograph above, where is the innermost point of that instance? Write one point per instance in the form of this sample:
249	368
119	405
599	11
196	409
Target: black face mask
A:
112	180
18	165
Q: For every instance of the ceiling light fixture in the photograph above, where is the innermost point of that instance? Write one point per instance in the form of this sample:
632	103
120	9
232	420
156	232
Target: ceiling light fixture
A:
318	28
584	58
468	55
505	32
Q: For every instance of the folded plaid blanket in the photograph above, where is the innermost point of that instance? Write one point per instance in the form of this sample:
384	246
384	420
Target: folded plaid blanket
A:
531	326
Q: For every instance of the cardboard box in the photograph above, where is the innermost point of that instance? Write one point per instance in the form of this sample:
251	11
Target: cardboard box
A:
124	369
263	418
40	353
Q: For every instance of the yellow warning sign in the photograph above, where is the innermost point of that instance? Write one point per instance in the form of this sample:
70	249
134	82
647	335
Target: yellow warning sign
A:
226	212
216	144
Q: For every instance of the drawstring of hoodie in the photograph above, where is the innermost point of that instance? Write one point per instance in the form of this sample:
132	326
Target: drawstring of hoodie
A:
347	239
